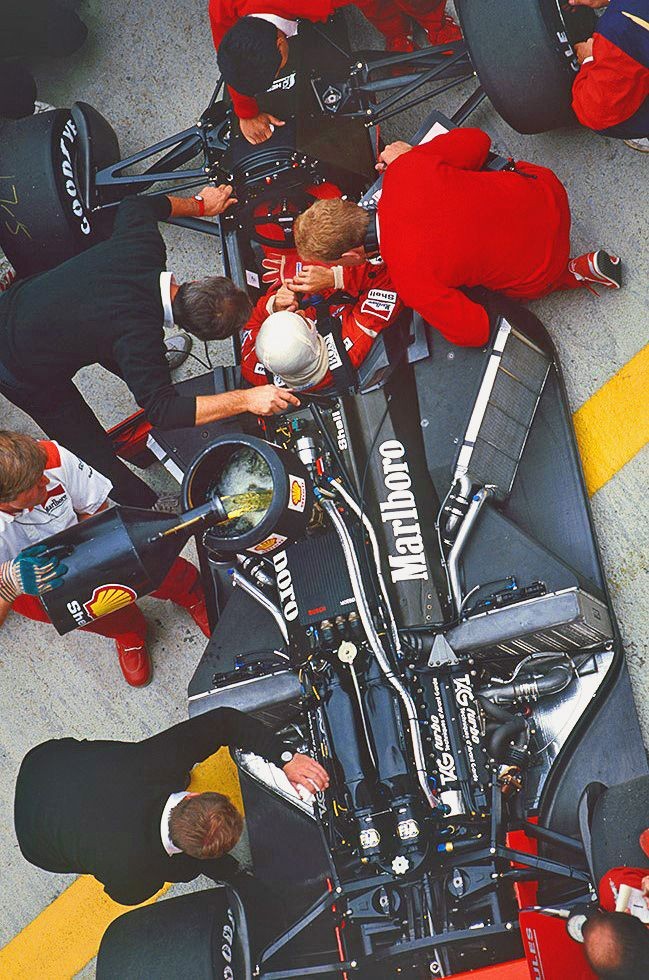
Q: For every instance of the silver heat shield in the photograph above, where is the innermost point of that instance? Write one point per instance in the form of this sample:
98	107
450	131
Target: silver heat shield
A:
503	411
563	622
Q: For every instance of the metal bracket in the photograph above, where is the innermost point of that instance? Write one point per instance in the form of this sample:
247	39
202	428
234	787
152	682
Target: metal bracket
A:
442	653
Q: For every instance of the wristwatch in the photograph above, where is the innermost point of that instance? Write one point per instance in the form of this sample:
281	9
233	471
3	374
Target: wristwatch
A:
201	205
286	756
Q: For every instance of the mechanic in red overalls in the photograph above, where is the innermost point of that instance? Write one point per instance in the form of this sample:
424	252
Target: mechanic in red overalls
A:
443	223
45	489
280	342
611	91
251	37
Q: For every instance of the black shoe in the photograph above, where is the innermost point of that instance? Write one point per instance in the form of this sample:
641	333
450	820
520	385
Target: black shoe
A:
178	347
168	503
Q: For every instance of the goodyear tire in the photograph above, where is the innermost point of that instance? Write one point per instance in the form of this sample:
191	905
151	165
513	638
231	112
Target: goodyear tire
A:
522	51
43	220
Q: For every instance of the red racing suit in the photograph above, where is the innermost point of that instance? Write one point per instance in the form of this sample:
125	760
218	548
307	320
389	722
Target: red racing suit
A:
611	89
374	307
444	223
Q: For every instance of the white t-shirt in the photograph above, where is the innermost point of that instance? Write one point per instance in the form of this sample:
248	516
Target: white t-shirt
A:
288	27
73	488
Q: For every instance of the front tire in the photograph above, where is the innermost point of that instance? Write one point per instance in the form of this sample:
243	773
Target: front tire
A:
522	51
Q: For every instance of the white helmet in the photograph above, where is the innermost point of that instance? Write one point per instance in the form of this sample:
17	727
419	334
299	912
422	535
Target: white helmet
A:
289	346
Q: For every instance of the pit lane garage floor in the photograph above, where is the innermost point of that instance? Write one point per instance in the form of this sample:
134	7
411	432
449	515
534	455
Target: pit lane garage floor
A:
150	68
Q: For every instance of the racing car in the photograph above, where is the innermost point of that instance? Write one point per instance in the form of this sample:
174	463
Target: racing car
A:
416	600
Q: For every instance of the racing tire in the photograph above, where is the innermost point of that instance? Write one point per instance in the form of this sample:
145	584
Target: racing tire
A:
523	55
202	935
43	219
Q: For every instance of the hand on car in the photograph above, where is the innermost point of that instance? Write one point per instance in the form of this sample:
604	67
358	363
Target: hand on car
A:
303	772
390	154
284	299
312	279
259	128
269	400
217	199
583	50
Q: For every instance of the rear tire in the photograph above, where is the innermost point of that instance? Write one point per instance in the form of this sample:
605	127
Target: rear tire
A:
523	55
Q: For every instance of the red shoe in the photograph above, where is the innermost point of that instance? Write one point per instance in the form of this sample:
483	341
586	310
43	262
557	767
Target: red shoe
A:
447	32
195	606
135	662
600	268
400	43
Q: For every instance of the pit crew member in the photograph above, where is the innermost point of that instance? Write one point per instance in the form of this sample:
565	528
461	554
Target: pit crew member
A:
122	811
108	306
44	489
285	345
611	91
443	223
616	945
252	43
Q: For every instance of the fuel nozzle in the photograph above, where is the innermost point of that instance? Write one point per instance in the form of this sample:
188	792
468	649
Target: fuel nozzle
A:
220	509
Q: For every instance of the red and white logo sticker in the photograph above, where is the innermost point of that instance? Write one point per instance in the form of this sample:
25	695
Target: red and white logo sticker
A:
297	493
268	544
380	302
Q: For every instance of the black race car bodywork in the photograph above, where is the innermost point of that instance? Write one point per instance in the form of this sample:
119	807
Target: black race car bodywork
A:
443	642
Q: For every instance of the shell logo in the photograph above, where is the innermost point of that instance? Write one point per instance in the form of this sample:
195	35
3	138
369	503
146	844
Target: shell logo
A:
108	599
297	494
268	544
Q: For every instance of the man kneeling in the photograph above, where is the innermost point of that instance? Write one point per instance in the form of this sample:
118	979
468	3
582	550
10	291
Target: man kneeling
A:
322	344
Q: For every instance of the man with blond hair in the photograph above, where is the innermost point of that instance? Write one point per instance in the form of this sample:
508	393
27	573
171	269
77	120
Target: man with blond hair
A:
444	223
121	811
45	489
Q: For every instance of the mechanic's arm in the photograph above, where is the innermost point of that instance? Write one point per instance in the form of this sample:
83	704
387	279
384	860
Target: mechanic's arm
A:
195	740
84	517
32	572
466	149
457	318
610	88
216	200
265	400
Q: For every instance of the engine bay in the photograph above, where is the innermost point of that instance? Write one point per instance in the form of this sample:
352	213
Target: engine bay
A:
438	691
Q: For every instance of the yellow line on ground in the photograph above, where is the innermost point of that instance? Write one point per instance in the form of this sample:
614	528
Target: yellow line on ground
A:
613	425
60	941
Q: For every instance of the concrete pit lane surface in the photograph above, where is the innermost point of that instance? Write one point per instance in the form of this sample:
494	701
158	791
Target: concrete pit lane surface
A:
150	69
